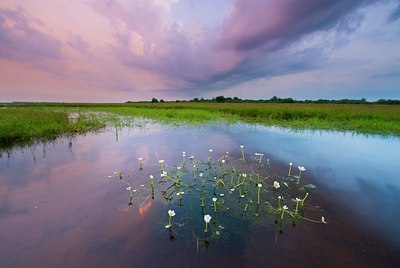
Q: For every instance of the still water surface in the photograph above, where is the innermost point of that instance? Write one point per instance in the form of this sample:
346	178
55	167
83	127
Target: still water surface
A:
59	208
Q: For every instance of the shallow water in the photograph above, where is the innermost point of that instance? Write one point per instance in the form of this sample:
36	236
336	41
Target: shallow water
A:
59	208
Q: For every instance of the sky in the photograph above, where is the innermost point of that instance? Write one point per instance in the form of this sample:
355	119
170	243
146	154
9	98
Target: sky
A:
134	50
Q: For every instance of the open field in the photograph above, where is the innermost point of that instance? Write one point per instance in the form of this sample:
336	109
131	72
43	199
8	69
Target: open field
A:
27	121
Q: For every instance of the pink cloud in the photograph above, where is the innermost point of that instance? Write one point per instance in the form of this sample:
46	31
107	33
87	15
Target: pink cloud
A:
135	47
21	41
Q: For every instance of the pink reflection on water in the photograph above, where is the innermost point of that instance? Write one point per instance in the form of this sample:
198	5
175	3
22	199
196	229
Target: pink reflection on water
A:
62	211
144	209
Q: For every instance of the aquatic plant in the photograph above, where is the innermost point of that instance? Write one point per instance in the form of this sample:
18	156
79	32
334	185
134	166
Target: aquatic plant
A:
260	156
304	199
171	213
297	200
129	190
220	177
259	185
301	169
290	168
242	148
140	163
215	203
210	156
161	165
207	219
183	158
284	208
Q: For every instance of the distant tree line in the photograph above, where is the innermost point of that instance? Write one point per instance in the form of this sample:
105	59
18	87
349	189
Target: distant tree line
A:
275	99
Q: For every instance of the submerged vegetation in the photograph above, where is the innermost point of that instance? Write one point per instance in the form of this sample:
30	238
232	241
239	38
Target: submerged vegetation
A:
21	122
228	194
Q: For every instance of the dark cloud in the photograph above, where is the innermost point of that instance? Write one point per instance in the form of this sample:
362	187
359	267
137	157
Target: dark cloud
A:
395	14
252	42
270	25
21	41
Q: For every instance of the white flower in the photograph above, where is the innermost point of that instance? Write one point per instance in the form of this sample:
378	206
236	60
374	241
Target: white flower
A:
110	176
168	226
191	157
259	185
227	152
217	233
151	176
242	146
180	193
171	213
276	185
214	199
142	185
244	175
323	220
221	195
140	159
279	197
223	161
285	207
115	173
242	196
215	178
160	161
201	174
129	188
290	163
207	218
301	168
164	174
183	153
178	168
298	199
233	189
210	150
134	190
221	227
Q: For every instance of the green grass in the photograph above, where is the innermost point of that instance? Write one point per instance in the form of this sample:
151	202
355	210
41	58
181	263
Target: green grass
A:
26	122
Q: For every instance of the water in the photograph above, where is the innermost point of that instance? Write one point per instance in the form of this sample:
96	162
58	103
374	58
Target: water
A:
59	208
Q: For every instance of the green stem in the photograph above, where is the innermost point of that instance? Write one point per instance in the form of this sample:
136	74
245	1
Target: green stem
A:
298	177
297	207
206	227
304	199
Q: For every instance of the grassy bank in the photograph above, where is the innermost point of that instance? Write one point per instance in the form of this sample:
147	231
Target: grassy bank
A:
24	122
369	119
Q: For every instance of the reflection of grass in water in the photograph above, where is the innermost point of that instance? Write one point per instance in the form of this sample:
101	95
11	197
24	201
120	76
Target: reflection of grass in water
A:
235	193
